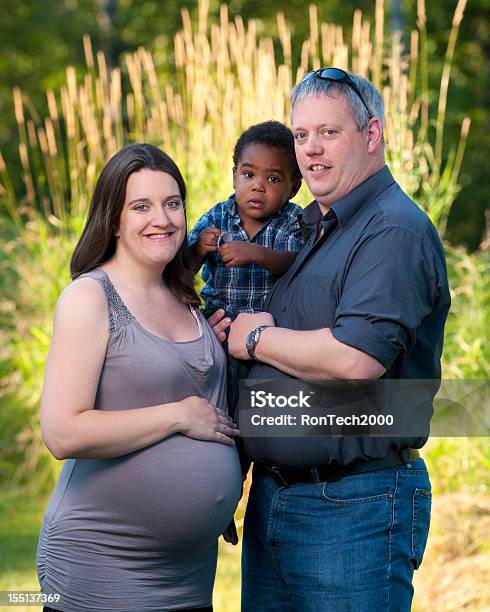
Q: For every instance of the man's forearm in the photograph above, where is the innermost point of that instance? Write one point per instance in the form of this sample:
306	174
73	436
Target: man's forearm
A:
315	355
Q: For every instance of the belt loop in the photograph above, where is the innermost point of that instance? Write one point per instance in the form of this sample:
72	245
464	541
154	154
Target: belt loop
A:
314	474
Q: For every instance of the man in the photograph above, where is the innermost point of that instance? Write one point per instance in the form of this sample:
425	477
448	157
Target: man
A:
339	524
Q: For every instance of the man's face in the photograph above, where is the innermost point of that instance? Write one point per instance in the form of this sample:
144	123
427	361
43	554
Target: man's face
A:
332	154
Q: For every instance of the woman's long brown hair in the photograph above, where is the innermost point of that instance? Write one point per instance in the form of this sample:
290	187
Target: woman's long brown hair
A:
98	242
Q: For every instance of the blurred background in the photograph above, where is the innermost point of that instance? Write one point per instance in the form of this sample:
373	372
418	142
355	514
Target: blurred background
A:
81	78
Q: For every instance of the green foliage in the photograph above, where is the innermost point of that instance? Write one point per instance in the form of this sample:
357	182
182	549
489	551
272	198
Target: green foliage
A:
467	347
458	465
468	95
30	36
32	276
21	515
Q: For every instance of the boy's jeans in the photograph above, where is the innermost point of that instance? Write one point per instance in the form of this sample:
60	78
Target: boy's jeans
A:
350	545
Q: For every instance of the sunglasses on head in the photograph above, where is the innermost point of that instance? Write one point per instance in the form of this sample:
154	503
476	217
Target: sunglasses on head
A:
339	76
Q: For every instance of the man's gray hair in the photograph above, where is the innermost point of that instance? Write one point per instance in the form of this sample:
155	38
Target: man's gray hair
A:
315	86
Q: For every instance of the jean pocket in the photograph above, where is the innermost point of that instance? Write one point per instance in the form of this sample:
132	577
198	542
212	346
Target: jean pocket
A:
422	499
360	489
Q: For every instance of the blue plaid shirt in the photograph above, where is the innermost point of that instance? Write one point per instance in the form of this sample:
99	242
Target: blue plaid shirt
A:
244	288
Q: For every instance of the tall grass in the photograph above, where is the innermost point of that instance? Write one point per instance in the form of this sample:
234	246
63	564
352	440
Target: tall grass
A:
226	78
466	351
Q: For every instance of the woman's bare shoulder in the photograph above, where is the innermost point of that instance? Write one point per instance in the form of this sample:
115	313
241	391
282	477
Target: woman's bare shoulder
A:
82	303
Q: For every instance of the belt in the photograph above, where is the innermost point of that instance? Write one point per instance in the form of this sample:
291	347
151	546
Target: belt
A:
286	477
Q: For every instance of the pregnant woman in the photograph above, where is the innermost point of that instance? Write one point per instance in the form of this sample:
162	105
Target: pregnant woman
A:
134	400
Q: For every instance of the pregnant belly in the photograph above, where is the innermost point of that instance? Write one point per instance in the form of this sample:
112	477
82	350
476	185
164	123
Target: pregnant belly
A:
175	494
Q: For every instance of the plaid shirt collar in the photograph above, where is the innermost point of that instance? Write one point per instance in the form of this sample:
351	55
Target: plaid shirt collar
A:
231	210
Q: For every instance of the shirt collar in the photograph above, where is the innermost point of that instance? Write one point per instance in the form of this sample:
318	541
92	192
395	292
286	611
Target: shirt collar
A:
346	207
230	206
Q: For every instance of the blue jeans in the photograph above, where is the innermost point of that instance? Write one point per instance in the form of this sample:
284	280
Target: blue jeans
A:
350	545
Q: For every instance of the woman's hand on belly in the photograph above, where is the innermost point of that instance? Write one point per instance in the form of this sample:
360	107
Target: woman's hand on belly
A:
199	419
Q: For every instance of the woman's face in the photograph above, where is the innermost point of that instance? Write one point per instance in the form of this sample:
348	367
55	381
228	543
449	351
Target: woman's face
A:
152	222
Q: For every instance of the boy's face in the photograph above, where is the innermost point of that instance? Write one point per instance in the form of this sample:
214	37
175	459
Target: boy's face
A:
262	181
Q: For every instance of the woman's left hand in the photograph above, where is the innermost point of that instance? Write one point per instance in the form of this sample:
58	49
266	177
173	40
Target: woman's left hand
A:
219	323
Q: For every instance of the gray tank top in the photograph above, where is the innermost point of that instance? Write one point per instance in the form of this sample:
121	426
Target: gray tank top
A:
139	532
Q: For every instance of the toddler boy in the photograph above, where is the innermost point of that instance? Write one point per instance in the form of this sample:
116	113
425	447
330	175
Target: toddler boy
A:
250	239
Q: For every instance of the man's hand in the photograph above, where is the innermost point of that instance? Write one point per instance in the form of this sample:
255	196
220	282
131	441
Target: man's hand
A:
207	241
237	253
219	323
241	327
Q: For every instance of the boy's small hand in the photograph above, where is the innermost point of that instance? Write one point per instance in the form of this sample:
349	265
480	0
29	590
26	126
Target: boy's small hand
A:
207	241
237	253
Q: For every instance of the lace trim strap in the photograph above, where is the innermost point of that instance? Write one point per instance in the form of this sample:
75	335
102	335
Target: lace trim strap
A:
117	311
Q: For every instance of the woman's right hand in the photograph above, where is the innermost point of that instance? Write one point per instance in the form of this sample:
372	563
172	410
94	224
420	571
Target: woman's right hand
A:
219	323
203	421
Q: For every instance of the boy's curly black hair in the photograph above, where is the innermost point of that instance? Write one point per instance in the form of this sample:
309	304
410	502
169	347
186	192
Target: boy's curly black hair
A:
270	134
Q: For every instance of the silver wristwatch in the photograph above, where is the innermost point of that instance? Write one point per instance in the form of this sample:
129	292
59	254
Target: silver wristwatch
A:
253	339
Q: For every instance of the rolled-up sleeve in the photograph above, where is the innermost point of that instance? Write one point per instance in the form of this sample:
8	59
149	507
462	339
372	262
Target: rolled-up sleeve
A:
388	288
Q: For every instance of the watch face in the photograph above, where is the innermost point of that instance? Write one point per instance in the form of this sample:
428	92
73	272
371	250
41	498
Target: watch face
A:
251	342
253	339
